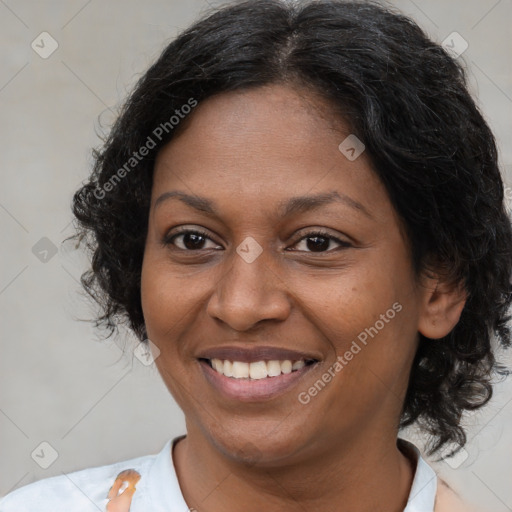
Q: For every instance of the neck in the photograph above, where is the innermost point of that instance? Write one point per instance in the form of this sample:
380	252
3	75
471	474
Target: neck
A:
363	476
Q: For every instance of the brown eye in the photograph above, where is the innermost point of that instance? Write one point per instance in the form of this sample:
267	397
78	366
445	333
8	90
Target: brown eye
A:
190	240
320	242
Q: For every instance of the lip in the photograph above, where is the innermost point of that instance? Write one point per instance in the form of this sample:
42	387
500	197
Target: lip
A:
253	354
250	390
255	390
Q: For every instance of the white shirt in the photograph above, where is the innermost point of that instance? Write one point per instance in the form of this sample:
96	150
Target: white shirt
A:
158	489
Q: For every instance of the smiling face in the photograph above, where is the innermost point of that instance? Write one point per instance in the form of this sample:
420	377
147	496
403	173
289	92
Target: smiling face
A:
265	243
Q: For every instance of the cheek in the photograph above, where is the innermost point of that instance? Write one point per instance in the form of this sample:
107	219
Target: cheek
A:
165	294
343	306
165	302
172	302
154	296
370	320
161	299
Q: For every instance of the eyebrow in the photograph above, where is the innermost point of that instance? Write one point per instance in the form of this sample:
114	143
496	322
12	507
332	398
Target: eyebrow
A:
294	205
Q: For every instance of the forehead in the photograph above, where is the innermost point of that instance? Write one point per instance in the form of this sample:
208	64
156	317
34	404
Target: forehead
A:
255	147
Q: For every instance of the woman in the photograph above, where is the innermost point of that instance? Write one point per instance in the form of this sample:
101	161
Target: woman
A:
300	206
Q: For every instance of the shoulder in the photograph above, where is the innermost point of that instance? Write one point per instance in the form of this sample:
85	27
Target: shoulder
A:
81	491
447	500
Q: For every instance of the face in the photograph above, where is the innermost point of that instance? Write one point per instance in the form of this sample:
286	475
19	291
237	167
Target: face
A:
277	282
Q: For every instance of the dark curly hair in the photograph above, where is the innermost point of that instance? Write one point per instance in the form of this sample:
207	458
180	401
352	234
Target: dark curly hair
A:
404	96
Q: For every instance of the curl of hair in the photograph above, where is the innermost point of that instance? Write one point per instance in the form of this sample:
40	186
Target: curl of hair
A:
405	97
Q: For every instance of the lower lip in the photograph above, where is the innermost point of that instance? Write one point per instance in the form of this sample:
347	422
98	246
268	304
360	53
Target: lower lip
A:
253	390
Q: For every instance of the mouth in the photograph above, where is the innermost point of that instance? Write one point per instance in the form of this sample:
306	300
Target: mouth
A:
258	369
255	375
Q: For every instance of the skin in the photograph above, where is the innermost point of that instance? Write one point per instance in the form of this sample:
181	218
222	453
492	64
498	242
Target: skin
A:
247	152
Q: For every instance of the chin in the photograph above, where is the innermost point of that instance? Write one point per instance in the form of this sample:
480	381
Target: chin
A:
257	442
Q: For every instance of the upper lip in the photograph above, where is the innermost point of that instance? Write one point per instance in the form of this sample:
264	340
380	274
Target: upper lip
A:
253	354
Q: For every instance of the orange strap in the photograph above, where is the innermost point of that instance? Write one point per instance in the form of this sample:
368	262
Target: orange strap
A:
120	502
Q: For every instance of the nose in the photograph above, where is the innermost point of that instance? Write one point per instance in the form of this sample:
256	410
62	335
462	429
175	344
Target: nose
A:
248	293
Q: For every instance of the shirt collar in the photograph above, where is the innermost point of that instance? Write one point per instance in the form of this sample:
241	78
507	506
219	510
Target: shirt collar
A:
163	492
424	485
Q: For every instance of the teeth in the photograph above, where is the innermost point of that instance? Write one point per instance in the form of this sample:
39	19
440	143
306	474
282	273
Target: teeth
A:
256	370
298	365
273	368
286	366
240	370
218	365
228	369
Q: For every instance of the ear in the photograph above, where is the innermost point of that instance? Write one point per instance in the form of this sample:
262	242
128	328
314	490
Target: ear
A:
442	303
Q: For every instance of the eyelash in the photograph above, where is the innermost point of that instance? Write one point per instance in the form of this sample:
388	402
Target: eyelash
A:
168	240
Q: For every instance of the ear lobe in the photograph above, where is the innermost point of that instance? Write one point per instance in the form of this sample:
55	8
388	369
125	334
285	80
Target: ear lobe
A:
442	305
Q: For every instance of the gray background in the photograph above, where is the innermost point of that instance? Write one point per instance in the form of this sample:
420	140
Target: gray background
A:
60	383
